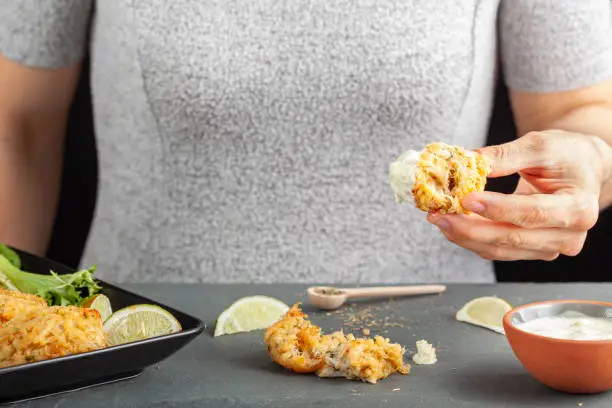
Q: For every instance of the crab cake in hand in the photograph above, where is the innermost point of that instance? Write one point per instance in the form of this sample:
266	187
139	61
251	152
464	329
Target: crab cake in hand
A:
437	178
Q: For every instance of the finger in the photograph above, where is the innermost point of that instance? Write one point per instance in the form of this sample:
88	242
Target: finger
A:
496	253
475	231
576	212
525	152
524	187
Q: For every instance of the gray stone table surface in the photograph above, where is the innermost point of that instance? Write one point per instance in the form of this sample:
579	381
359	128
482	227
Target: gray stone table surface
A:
476	367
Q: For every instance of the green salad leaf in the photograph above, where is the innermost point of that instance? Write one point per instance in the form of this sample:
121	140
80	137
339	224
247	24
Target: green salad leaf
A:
57	290
11	255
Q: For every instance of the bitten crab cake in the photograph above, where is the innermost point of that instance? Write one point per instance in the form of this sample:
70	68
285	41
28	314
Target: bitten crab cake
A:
437	178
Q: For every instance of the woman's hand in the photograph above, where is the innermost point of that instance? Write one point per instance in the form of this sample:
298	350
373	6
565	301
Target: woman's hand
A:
554	205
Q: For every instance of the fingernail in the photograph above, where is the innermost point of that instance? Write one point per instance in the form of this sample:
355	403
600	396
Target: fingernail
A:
475	206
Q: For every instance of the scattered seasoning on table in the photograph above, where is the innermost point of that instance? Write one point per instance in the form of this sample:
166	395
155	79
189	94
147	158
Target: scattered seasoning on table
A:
387	323
356	317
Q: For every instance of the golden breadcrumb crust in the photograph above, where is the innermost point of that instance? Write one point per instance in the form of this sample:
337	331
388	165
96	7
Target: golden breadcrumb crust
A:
300	346
14	303
445	175
37	332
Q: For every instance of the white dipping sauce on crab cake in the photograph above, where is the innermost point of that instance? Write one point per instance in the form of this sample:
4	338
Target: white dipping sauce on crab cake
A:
570	325
403	172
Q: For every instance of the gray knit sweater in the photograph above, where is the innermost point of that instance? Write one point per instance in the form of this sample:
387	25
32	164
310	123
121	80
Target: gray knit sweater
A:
249	141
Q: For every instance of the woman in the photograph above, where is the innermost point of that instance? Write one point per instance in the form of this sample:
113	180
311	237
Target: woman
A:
250	141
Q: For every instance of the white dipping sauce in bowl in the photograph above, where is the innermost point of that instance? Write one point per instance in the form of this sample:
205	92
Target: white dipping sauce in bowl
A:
570	325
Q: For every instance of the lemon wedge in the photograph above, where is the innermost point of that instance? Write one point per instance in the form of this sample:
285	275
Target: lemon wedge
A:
139	322
250	313
486	311
101	303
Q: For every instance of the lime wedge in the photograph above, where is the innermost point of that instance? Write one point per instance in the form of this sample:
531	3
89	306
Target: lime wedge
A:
250	313
101	303
139	322
486	311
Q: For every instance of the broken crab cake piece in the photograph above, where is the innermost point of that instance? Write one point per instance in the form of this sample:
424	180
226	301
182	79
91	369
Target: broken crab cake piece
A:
368	360
438	177
300	346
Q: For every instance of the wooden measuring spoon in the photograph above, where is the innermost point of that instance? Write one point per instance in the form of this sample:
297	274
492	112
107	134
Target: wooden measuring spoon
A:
330	298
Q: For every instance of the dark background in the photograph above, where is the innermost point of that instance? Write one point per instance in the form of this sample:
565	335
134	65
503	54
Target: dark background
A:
80	181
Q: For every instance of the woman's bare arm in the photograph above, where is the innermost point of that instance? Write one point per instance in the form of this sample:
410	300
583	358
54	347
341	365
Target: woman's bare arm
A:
34	105
587	110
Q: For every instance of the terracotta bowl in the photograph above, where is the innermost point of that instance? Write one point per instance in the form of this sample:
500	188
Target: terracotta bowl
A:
573	366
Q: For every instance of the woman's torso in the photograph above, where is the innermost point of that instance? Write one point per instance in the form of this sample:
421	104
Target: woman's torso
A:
250	141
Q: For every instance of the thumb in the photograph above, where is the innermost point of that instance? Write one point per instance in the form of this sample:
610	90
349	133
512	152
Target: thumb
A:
523	153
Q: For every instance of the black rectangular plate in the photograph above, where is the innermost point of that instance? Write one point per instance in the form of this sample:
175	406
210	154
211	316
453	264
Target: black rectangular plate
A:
78	371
